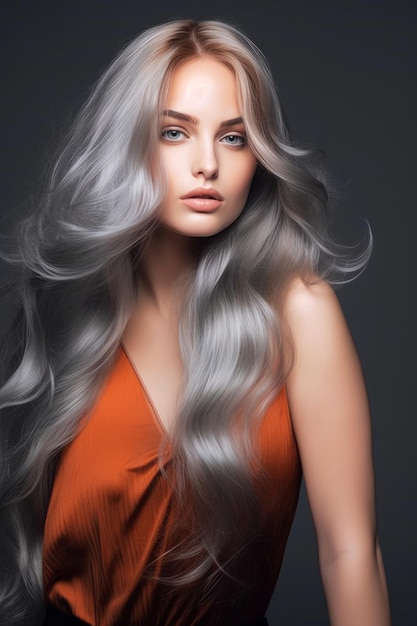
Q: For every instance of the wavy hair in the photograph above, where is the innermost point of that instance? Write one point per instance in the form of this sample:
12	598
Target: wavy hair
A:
78	254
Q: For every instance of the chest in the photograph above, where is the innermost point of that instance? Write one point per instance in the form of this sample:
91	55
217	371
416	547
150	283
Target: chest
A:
152	346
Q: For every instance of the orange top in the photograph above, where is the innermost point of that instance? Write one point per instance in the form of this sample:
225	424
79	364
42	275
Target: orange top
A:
111	510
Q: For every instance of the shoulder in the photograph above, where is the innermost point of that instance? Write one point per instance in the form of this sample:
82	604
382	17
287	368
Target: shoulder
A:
325	364
314	315
326	370
307	301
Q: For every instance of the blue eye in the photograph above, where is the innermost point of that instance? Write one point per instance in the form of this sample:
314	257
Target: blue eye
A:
234	140
172	134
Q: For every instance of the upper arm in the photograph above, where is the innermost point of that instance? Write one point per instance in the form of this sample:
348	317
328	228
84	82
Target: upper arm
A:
330	415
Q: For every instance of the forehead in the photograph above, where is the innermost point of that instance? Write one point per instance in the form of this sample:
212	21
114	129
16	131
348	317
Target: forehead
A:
201	85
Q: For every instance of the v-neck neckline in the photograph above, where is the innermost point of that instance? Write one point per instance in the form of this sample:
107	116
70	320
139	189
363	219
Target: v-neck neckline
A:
157	417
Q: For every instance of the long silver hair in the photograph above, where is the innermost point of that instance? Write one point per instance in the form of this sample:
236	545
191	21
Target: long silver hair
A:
78	257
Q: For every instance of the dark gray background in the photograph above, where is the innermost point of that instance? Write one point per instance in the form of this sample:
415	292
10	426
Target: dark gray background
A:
346	72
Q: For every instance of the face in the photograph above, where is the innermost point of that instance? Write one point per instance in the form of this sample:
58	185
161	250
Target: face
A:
204	151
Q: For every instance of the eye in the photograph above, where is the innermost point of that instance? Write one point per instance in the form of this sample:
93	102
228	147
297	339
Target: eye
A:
234	140
172	134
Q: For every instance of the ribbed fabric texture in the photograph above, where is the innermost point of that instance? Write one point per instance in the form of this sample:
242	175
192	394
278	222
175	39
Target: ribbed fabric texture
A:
111	516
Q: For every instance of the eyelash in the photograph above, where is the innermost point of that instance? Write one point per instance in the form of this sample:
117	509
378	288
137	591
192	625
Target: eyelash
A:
165	132
242	140
181	134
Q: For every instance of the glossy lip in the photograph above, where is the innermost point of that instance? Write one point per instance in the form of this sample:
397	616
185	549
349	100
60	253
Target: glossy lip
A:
202	192
203	200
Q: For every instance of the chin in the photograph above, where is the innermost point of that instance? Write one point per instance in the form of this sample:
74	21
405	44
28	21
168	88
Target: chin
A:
205	227
195	231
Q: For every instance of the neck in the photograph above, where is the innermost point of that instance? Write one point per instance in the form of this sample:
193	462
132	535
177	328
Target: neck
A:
168	258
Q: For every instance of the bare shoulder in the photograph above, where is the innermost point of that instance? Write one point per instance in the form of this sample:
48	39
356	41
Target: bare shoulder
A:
304	300
326	369
313	313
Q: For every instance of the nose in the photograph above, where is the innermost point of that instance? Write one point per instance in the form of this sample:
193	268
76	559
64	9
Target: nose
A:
205	162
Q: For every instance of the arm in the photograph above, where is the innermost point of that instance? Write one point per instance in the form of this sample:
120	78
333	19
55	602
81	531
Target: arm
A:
331	421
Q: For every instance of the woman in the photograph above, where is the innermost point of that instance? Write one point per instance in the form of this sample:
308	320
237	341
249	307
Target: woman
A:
182	356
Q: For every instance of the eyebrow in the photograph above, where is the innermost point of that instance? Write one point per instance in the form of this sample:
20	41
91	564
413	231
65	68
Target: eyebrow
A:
194	120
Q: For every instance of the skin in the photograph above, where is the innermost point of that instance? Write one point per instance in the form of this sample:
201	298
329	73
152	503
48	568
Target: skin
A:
330	416
326	392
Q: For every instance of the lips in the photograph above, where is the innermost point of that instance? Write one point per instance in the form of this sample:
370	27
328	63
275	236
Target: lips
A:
203	200
202	192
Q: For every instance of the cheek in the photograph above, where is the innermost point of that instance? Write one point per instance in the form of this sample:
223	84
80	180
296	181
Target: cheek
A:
173	164
246	174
